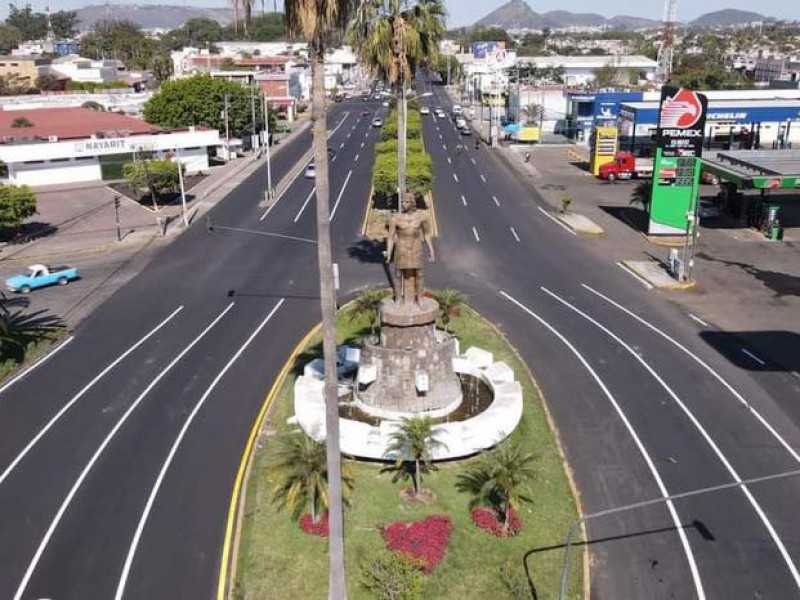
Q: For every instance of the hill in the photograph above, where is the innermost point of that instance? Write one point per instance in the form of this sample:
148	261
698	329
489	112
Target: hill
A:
727	18
150	16
517	14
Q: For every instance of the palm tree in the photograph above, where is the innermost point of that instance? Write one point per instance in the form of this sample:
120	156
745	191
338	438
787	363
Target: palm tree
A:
235	7
368	304
392	40
19	329
498	480
414	439
300	476
534	113
450	303
317	21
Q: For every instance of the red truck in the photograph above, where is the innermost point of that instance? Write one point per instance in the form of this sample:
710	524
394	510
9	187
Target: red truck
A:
627	166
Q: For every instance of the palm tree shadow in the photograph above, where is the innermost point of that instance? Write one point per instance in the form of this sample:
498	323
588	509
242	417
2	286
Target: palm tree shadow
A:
19	329
782	284
368	251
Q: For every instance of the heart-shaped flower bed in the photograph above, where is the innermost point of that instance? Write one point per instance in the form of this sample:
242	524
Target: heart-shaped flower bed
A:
490	520
425	541
319	528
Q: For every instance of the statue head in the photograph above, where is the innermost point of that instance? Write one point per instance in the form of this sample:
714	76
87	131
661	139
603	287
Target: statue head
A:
408	203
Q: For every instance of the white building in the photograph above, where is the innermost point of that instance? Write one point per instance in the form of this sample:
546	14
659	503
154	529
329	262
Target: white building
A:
580	70
72	145
119	101
87	70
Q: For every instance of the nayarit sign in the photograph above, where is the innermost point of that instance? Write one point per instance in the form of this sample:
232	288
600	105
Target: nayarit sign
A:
681	122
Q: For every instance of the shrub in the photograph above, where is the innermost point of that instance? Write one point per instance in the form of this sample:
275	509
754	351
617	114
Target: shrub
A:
425	541
514	580
491	520
320	528
392	577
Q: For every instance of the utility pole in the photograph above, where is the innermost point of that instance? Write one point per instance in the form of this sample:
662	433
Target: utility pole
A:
116	218
183	187
270	192
254	136
227	131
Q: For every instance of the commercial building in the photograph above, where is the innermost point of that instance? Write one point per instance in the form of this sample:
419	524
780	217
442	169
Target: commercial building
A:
73	145
25	70
581	70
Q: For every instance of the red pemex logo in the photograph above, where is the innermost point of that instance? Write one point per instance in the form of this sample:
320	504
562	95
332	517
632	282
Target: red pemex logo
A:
680	111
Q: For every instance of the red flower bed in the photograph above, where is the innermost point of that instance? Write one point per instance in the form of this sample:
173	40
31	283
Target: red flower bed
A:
490	520
320	528
424	540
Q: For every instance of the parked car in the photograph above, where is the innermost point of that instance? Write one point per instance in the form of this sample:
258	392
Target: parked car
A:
461	123
708	209
38	276
385	104
424	110
456	109
440	113
377	122
311	171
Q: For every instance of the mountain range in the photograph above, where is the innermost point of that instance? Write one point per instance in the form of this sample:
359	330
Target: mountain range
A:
517	14
149	16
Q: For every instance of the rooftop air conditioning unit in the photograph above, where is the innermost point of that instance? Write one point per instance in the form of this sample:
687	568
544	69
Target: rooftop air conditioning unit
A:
52	138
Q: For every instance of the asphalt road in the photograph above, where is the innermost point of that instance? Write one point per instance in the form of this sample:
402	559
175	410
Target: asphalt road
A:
118	455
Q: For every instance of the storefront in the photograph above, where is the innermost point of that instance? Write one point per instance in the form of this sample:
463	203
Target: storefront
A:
75	145
601	109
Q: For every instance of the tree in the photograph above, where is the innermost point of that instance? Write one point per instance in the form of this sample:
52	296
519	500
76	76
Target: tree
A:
31	25
200	100
161	67
49	82
317	22
21	122
154	175
498	480
450	303
17	202
393	40
300	476
121	40
10	38
609	75
65	24
413	440
19	329
534	112
368	304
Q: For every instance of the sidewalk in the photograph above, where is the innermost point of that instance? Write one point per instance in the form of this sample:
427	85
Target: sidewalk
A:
81	219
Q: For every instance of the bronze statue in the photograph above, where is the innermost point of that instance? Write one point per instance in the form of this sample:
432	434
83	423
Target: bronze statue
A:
407	230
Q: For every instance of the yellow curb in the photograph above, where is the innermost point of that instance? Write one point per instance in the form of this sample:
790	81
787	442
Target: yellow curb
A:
368	211
670	242
230	546
432	208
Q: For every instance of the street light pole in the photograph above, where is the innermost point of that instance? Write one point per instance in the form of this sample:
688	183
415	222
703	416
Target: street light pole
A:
270	192
183	187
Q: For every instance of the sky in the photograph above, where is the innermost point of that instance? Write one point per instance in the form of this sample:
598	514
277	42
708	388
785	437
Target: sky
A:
466	12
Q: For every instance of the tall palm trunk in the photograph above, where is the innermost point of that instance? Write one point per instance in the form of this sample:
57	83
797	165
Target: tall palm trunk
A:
417	482
248	15
400	91
337	589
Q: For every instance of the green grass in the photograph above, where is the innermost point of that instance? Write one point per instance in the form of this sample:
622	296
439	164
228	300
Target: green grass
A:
33	351
277	560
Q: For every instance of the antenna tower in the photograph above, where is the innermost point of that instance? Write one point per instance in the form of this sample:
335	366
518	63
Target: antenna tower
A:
50	35
667	49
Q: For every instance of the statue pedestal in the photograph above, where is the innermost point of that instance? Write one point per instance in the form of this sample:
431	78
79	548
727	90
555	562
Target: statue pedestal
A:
412	364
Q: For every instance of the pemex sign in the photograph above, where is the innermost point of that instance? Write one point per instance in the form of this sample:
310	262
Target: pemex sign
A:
676	170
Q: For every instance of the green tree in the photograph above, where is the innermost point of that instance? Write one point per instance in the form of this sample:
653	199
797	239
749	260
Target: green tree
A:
17	203
412	441
456	69
161	67
200	100
155	176
300	476
268	28
65	24
392	576
20	123
393	39
609	75
49	82
317	22
120	40
450	303
10	38
368	305
31	25
499	479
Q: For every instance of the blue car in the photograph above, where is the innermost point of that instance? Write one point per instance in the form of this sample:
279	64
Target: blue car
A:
37	276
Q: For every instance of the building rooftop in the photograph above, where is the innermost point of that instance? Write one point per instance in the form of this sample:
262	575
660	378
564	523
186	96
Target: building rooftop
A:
590	61
70	123
722	104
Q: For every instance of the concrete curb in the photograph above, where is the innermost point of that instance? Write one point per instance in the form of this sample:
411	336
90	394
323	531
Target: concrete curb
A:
654	275
580	223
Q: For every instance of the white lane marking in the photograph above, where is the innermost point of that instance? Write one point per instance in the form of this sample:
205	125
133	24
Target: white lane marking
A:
554	220
445	147
296	175
496	201
514	233
662	488
475	233
700	429
333	160
339	197
483	179
440	136
455	177
81	393
472	158
341	145
753	356
698	320
356	158
38	363
348	135
302	208
100	449
636	276
449	162
174	449
794	454
463	200
362	144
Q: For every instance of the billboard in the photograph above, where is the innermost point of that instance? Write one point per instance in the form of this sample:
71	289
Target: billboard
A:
487	50
681	122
